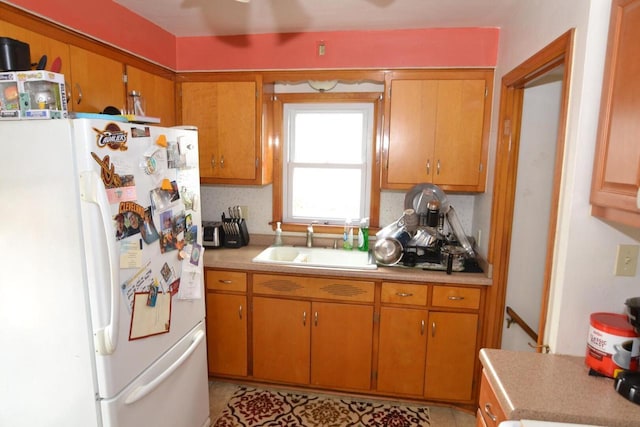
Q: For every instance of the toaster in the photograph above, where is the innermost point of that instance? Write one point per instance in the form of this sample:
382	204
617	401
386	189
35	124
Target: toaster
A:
212	234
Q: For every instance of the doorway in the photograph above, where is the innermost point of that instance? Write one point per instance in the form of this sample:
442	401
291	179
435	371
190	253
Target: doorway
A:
532	208
505	235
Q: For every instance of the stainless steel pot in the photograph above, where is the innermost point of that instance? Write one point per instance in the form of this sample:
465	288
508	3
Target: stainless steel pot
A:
388	251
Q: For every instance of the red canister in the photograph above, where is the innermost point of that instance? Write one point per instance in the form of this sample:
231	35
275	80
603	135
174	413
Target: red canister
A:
612	344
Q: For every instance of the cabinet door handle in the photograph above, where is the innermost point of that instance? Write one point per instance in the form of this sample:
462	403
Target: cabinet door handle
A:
422	327
433	329
438	168
221	162
487	410
304	318
315	318
226	282
213	162
428	167
455	298
404	294
79	93
67	90
240	312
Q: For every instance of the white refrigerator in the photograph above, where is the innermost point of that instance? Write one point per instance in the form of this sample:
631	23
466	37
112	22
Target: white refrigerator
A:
101	275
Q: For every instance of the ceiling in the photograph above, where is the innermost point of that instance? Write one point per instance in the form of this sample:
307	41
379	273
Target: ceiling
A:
185	18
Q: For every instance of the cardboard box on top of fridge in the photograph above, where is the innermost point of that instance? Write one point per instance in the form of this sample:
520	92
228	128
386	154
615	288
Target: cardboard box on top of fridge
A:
37	94
9	96
42	94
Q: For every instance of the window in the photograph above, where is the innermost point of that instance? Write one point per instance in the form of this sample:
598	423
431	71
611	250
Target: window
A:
326	171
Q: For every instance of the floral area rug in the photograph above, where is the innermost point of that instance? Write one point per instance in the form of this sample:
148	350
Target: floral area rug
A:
256	407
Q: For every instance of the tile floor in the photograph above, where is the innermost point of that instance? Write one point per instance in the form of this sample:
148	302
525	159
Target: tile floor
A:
220	392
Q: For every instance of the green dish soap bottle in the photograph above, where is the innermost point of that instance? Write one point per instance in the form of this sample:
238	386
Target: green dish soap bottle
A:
363	235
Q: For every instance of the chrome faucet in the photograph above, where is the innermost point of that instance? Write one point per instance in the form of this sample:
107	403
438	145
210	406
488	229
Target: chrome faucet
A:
310	236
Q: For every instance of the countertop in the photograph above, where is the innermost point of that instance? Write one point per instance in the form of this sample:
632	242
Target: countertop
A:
240	259
551	387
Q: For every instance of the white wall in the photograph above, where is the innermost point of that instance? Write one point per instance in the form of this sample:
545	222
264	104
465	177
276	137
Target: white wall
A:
536	161
582	280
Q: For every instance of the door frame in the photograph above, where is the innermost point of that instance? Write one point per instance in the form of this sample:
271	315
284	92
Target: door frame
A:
558	52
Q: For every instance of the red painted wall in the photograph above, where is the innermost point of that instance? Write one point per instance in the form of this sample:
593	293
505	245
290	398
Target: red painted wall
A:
111	23
432	47
440	47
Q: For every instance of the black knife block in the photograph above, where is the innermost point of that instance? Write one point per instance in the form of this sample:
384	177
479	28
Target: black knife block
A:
237	234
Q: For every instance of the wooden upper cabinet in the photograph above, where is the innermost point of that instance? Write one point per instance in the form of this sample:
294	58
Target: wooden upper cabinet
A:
436	129
96	81
616	177
228	115
158	92
39	45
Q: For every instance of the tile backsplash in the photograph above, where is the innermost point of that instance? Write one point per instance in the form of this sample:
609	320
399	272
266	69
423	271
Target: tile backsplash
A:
216	199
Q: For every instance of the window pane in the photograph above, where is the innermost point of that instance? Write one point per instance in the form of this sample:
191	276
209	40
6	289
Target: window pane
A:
328	137
326	194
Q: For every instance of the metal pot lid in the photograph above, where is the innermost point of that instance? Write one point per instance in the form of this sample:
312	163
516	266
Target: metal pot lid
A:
418	197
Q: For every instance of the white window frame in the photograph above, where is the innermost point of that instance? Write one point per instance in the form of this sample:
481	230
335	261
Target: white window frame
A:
289	112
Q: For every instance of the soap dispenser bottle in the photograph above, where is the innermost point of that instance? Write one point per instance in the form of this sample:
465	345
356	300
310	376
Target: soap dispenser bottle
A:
363	235
278	240
347	238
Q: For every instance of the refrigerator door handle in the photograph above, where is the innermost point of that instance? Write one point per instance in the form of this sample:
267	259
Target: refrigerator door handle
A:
141	391
92	191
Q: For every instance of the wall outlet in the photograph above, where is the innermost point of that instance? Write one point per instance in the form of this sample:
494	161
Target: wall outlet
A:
627	260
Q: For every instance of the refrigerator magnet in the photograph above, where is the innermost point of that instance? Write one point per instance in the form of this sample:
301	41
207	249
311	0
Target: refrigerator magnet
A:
153	294
195	254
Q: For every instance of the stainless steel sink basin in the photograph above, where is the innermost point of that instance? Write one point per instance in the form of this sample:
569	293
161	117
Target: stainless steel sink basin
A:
317	257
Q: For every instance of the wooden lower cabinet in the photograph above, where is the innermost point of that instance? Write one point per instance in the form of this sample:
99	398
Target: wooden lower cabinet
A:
281	340
341	345
299	337
318	343
451	355
423	351
327	333
226	323
227	334
402	350
490	413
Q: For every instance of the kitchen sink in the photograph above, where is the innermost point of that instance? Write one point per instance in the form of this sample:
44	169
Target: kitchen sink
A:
317	257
